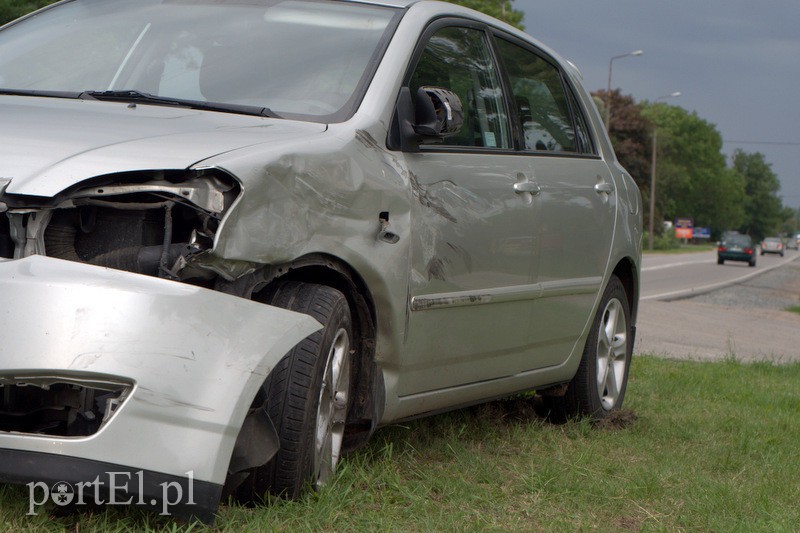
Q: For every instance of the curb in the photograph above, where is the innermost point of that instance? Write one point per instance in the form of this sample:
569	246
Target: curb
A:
696	291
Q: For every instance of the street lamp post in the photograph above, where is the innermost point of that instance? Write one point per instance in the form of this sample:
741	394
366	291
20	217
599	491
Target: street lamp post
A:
608	90
653	163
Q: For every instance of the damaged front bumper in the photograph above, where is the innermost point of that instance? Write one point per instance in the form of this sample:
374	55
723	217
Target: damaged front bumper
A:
107	371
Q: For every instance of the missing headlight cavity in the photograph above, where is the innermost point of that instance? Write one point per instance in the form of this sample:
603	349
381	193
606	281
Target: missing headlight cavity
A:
147	222
56	406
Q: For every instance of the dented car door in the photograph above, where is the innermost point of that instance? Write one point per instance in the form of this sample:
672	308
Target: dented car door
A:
473	244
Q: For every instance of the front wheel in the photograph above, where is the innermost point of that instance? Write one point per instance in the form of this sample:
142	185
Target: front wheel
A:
307	396
599	385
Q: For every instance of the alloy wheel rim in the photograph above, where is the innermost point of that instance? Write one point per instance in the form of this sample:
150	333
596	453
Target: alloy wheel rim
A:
612	352
332	408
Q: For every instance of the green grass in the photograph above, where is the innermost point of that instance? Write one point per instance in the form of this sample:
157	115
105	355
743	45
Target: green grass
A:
702	447
794	309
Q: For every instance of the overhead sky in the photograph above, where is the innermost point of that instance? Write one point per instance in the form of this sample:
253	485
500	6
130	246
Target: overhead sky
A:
736	63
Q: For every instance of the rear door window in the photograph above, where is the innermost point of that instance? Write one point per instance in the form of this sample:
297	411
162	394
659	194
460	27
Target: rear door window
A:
547	110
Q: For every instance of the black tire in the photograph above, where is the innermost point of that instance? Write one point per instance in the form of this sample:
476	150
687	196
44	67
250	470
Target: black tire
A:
586	395
753	262
298	403
720	261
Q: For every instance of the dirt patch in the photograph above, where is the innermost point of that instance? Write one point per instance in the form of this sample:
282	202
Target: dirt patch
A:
616	420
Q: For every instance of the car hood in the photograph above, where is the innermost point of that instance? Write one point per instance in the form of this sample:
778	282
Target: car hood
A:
48	144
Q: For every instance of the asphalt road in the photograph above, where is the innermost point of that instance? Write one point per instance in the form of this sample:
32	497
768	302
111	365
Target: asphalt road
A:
692	308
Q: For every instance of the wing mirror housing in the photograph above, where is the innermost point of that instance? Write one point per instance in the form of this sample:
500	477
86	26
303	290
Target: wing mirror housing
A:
436	114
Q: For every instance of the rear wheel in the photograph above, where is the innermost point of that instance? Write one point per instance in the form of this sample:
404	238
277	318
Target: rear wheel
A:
753	261
307	396
720	261
599	385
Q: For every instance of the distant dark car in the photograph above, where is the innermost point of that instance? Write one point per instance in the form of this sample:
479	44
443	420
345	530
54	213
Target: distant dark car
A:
772	245
737	248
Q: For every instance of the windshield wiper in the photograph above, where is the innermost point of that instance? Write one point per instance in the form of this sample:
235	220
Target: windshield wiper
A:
36	92
146	98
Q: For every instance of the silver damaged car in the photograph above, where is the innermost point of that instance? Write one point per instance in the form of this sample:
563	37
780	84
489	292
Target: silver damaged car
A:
237	236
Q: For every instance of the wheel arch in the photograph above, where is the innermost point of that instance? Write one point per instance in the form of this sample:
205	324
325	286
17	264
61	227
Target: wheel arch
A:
628	274
368	390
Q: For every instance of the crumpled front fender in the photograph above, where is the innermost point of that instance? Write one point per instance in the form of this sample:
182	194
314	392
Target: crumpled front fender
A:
195	359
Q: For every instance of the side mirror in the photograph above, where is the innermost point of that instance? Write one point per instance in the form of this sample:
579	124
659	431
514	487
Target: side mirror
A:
438	112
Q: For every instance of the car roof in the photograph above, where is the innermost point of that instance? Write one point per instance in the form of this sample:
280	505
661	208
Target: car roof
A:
388	3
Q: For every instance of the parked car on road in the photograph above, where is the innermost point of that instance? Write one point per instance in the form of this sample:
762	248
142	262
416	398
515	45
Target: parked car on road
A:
793	241
737	248
238	236
772	245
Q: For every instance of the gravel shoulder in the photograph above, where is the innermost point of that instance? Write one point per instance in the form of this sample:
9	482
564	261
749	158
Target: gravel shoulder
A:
747	321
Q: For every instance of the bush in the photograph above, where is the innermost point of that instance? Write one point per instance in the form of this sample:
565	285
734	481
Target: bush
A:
665	241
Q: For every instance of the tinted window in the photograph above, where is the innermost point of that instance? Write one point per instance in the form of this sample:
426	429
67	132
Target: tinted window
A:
542	102
459	59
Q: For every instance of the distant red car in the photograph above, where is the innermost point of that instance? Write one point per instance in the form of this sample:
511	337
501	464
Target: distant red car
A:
772	245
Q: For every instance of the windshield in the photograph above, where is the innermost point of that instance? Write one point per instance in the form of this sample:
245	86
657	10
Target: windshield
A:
298	59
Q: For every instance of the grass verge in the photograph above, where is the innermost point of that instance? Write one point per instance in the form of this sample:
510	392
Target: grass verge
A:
701	446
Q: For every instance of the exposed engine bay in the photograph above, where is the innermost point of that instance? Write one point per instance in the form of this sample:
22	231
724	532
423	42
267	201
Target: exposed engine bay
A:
154	223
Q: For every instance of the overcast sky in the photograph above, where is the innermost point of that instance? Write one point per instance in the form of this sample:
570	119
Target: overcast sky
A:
736	63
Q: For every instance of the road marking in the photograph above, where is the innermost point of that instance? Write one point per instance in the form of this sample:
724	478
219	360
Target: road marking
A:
670	265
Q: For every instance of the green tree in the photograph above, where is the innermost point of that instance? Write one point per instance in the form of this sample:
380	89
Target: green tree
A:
12	9
765	211
791	221
692	177
630	135
499	9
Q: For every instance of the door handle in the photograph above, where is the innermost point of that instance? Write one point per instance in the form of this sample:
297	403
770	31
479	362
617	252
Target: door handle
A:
604	187
527	186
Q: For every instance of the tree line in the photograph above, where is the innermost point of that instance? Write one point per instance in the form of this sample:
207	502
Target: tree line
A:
693	176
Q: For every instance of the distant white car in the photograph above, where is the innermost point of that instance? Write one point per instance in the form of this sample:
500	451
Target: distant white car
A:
772	245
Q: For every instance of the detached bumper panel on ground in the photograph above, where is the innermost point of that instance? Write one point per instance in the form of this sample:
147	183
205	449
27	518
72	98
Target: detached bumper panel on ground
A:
186	361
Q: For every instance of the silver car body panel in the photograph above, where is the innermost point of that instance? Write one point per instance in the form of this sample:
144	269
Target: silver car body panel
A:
83	139
195	358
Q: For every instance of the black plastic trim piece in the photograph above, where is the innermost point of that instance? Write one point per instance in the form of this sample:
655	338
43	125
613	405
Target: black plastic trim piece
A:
199	499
